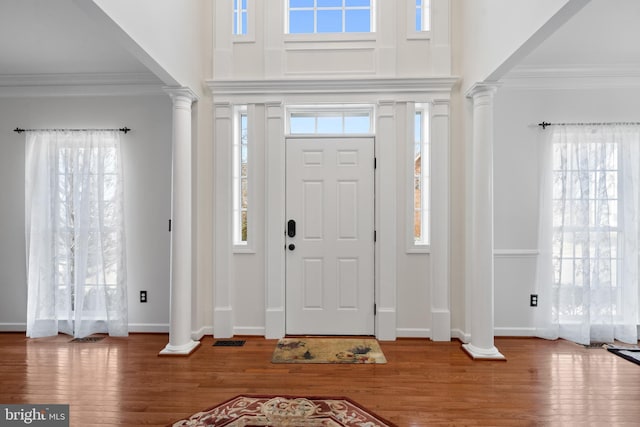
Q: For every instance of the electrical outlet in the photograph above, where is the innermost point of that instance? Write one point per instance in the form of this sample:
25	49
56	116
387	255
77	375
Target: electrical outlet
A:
143	296
533	300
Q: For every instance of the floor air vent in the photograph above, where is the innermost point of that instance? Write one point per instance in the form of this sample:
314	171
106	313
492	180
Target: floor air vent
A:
229	343
87	339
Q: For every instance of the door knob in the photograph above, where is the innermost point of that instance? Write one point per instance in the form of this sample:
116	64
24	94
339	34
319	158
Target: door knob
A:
292	246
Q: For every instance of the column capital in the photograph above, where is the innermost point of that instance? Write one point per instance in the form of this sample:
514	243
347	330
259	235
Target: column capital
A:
180	91
482	88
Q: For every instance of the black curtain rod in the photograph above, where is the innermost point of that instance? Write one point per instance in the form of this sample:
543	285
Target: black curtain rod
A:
545	124
20	130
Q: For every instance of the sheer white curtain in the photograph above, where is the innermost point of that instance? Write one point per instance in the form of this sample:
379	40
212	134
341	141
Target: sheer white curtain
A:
76	270
587	274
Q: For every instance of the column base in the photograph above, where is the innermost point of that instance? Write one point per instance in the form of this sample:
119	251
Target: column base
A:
182	350
275	323
386	328
440	325
478	353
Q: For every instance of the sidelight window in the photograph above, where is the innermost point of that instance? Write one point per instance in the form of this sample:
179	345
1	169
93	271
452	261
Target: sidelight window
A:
240	177
420	187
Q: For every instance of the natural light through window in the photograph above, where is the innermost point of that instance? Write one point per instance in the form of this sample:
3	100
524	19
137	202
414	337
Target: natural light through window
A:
240	17
420	161
423	15
240	177
330	123
586	210
330	16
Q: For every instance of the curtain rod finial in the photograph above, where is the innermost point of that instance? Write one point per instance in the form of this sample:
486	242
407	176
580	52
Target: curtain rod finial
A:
18	130
544	124
125	130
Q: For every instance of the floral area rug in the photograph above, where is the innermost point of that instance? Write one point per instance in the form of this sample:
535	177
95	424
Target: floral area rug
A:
328	350
279	411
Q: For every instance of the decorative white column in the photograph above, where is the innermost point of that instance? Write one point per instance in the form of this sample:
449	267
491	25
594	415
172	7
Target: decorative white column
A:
180	342
482	343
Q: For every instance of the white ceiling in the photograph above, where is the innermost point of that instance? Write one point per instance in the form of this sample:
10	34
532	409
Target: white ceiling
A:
55	37
605	33
42	37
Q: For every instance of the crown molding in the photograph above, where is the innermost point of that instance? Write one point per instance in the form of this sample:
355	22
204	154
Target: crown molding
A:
579	76
80	84
427	85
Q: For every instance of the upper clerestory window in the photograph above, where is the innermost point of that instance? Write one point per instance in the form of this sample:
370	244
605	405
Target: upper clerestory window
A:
419	22
423	15
240	22
329	16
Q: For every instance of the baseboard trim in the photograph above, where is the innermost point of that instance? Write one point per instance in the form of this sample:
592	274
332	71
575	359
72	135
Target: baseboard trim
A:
13	327
413	333
514	332
460	335
249	330
154	328
205	330
133	327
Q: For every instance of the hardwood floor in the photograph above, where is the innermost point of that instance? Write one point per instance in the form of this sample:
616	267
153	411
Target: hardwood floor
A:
122	381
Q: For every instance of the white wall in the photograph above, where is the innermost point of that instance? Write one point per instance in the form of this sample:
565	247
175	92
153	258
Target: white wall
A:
147	172
517	111
392	51
267	54
488	38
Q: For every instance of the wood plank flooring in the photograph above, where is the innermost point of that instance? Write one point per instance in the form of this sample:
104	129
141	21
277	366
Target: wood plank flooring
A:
122	381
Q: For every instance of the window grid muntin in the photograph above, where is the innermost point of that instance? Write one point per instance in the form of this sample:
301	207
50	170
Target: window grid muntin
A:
240	17
314	7
103	161
421	178
346	118
240	182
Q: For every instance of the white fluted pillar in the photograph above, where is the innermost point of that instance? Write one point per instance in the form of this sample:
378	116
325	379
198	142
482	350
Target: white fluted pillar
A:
482	340
180	342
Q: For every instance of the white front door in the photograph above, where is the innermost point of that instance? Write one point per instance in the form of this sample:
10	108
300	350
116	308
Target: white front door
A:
330	254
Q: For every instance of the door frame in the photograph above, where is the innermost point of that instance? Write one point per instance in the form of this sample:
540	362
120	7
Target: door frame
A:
385	182
392	98
327	137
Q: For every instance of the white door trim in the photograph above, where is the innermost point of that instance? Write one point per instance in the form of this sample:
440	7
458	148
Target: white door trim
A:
390	96
385	221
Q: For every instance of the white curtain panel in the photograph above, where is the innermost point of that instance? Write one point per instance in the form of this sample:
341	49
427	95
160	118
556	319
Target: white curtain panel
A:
76	269
587	275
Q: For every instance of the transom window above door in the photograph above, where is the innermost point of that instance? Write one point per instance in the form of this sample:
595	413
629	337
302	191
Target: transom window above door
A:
329	16
330	121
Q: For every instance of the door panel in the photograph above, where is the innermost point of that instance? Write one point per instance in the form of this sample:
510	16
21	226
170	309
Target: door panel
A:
330	267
